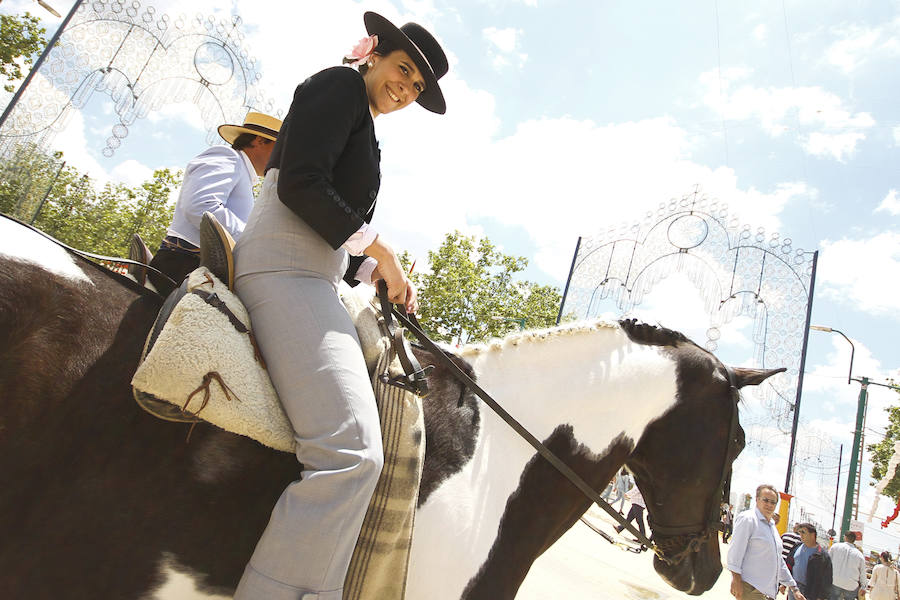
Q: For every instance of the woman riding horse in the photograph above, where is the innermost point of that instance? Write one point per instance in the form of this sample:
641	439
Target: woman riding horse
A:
314	210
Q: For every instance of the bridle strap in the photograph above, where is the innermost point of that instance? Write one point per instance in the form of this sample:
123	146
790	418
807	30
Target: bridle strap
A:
724	481
412	324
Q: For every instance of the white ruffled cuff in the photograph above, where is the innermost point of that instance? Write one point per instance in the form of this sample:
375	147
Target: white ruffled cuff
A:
357	243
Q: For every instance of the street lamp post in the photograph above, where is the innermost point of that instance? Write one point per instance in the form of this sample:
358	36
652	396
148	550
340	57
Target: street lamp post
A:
856	451
857	432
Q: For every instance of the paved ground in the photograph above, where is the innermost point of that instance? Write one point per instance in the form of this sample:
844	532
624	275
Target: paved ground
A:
580	566
584	566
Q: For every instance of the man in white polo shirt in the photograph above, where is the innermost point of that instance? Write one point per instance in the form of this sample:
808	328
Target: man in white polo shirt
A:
849	570
754	558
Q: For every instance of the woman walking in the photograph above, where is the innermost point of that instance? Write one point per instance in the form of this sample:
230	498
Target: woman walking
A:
308	229
884	582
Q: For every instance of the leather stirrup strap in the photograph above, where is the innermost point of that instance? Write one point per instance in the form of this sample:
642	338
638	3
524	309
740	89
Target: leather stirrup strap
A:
416	378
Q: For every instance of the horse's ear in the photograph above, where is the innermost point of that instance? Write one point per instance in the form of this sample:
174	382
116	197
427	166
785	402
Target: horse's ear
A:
754	376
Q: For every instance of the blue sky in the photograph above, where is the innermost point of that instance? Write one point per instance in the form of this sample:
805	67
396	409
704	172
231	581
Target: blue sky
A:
567	117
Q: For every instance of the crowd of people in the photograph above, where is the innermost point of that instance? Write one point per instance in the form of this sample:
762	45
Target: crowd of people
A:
764	564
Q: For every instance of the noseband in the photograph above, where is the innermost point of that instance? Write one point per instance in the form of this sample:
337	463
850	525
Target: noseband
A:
674	543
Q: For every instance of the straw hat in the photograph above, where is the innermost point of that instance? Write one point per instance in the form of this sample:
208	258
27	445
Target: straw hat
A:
255	123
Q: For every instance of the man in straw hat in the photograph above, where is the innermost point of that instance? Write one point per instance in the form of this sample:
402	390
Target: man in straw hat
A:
219	180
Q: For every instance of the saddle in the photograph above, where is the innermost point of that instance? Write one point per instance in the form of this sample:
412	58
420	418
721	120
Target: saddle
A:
209	358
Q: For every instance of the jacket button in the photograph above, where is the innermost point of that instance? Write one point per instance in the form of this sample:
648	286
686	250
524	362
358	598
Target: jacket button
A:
347	210
372	194
330	192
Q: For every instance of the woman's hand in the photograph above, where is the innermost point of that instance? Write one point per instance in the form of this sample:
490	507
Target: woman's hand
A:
400	289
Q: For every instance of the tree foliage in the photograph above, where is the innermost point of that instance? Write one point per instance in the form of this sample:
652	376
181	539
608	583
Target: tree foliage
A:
41	189
469	293
882	452
20	39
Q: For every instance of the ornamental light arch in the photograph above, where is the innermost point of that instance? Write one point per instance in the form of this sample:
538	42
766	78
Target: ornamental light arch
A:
737	270
141	60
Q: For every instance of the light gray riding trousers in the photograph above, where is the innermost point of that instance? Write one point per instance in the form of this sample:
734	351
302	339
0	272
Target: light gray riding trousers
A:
287	276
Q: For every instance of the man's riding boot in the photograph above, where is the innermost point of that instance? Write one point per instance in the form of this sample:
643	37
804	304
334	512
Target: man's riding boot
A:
139	252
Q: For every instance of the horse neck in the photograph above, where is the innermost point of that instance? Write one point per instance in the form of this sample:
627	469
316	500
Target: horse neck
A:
591	377
588	393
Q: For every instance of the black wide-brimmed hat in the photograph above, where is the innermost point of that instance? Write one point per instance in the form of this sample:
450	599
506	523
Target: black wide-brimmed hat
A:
422	48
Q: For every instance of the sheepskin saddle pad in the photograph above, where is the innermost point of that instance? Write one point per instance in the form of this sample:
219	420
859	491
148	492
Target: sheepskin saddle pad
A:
201	362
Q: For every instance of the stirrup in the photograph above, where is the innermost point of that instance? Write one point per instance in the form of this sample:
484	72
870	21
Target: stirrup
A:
139	252
216	246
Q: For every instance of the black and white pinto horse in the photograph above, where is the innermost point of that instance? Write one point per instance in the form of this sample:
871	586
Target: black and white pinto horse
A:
101	500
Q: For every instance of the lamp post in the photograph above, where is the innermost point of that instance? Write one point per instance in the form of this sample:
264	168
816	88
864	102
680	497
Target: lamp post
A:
856	451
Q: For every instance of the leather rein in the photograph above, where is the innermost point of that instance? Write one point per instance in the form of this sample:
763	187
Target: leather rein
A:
679	542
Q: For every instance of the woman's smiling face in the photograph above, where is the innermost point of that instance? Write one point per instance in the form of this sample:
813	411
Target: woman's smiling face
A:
393	82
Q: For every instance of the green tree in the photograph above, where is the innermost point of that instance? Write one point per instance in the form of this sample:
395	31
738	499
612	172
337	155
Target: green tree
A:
882	452
25	177
21	38
469	293
66	204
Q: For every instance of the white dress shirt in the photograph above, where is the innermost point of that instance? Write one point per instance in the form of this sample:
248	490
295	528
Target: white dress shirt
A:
848	566
218	180
755	553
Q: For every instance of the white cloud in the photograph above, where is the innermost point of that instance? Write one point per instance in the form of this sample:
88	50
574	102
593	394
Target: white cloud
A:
826	126
676	303
182	113
505	45
449	172
863	274
837	146
72	142
543	177
854	48
131	173
891	203
761	33
856	45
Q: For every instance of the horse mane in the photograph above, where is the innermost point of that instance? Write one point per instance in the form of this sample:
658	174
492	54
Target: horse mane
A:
651	335
535	335
637	332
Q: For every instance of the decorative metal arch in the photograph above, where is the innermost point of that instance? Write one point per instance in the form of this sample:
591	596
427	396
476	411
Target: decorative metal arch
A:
142	61
738	270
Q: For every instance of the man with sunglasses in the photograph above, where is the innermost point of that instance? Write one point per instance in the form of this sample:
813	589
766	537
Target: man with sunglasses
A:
754	559
810	564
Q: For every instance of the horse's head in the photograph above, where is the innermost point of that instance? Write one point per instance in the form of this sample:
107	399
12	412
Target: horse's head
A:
682	464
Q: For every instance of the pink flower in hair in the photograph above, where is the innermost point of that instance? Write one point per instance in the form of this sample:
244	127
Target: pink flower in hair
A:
362	51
